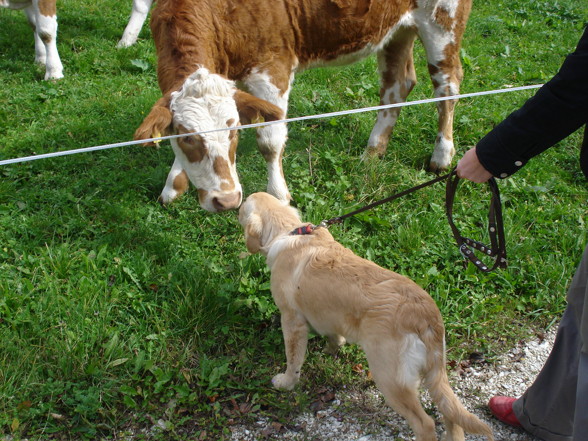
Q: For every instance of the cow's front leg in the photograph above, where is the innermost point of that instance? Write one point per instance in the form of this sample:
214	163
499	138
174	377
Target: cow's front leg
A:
275	88
295	330
271	141
176	184
444	147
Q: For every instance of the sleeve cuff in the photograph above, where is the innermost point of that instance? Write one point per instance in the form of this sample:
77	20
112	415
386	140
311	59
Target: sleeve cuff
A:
497	158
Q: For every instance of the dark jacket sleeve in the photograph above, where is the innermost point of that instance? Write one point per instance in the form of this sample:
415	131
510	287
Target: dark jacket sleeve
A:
557	110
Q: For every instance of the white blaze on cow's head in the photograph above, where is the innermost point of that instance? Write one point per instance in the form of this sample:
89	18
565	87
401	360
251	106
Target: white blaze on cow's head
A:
207	102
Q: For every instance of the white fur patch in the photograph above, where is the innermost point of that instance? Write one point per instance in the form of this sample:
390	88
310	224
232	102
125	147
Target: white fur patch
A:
384	121
443	153
168	194
449	5
434	37
414	358
138	17
260	84
445	87
392	94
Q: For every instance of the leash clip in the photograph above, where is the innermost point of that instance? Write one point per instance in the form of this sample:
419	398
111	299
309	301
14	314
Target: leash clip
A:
324	224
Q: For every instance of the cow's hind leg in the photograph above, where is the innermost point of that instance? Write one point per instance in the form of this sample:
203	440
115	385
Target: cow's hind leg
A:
397	78
138	16
442	41
42	17
40	52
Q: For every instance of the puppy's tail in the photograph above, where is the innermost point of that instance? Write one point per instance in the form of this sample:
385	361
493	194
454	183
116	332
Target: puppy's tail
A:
456	417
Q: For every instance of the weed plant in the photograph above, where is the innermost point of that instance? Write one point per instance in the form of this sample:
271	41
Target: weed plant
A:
119	316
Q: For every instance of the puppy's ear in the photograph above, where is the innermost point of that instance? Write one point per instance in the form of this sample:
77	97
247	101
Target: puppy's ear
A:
253	234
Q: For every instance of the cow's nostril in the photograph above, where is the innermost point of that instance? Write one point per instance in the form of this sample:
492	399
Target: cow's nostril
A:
226	202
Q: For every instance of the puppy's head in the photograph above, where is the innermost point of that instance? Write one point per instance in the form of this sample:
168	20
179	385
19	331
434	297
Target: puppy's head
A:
263	218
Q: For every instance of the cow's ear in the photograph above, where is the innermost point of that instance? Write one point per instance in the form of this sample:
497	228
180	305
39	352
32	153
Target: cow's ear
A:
252	109
157	123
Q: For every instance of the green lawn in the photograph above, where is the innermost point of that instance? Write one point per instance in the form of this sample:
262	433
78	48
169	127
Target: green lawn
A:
116	312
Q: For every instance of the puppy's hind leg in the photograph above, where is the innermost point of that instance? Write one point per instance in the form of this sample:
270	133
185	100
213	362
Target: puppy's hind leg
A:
295	330
335	342
396	372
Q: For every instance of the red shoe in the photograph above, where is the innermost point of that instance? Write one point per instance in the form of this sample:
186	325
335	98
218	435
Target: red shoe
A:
501	408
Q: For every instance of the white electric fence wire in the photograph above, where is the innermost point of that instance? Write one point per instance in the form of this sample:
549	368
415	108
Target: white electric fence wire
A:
288	120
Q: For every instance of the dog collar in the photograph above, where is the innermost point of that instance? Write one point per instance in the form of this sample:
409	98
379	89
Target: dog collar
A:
307	229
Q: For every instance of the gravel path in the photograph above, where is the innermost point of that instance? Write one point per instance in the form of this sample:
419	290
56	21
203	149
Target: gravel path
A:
363	416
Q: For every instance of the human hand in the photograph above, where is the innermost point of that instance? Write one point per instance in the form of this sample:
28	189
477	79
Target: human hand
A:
469	167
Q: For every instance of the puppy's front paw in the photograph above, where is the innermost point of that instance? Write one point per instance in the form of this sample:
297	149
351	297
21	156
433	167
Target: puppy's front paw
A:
283	381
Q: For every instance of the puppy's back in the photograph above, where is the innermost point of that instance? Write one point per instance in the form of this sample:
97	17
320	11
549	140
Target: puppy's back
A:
359	288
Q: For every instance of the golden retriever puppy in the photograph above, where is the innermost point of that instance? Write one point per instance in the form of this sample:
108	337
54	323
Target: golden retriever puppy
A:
318	283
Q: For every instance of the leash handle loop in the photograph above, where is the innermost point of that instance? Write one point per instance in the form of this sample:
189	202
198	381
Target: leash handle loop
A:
469	254
497	248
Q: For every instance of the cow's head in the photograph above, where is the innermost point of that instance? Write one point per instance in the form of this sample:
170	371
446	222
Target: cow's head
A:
208	102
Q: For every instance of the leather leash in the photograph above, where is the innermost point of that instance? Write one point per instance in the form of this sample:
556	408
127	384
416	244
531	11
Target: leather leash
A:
467	247
339	219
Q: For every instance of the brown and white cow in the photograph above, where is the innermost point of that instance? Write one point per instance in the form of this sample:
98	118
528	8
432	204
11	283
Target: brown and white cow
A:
262	44
43	19
42	16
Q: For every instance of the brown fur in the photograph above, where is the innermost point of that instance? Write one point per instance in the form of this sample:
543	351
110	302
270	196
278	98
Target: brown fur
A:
318	283
48	7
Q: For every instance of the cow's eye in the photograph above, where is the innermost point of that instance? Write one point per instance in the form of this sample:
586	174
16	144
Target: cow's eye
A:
191	140
193	147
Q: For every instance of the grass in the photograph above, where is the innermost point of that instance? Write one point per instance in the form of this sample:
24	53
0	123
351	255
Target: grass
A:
118	315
